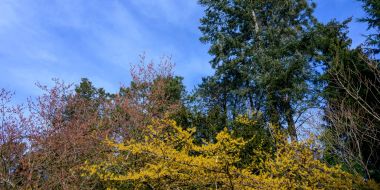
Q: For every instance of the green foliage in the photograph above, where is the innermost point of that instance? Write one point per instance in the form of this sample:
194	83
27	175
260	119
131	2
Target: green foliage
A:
260	53
350	82
372	8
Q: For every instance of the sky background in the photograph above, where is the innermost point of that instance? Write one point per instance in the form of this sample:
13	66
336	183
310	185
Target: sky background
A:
100	39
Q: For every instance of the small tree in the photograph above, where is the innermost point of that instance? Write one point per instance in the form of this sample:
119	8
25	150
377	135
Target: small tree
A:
12	141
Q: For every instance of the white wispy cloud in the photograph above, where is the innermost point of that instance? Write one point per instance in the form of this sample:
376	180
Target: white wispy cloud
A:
70	39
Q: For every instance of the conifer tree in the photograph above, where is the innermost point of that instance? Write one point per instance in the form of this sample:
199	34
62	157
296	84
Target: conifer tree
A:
261	56
372	8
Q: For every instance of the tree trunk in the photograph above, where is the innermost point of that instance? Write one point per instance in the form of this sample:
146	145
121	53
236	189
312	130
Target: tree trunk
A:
272	112
289	118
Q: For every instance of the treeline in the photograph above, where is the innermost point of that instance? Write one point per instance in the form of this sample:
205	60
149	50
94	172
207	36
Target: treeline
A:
248	126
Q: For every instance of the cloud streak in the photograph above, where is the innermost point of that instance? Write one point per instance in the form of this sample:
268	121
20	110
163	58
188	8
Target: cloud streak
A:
70	39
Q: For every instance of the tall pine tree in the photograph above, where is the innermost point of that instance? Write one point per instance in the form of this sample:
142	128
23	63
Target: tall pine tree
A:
261	57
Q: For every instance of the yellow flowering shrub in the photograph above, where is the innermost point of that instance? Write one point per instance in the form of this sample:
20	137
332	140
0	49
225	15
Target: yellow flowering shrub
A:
168	158
245	120
295	165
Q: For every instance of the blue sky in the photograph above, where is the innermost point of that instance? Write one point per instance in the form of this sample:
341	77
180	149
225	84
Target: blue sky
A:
99	39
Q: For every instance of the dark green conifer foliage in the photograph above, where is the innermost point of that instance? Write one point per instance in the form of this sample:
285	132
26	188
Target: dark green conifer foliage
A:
372	8
261	56
350	88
